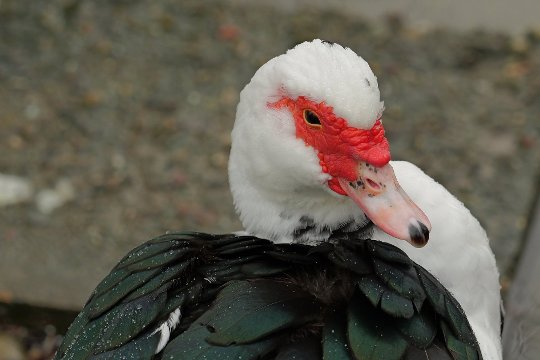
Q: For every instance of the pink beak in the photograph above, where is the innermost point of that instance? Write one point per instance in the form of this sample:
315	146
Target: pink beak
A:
378	193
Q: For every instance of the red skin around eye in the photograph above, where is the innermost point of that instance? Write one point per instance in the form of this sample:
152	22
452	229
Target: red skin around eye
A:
339	146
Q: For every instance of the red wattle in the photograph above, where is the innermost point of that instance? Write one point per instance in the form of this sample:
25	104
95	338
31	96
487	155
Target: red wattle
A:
335	186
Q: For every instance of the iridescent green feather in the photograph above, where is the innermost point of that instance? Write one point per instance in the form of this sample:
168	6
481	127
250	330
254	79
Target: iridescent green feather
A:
286	300
246	311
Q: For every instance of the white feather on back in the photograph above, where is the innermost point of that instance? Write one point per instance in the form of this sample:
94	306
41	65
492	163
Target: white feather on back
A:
457	254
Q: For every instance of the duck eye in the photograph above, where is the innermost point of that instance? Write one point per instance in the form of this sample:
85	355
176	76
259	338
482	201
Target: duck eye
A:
312	118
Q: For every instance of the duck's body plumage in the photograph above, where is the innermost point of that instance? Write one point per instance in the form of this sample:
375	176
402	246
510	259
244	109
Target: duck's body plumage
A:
318	272
232	297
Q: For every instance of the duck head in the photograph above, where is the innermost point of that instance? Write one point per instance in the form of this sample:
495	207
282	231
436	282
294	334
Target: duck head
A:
309	153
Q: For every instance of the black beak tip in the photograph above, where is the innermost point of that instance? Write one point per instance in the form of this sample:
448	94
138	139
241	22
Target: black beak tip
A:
424	230
419	234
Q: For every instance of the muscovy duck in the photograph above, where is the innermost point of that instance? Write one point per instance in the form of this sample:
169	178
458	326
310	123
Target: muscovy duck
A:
321	270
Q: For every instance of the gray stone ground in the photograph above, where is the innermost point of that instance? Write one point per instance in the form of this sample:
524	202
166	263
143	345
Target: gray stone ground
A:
117	115
521	339
510	17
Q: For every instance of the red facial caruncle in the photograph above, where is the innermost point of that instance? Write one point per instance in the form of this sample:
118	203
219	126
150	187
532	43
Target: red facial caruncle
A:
339	146
358	162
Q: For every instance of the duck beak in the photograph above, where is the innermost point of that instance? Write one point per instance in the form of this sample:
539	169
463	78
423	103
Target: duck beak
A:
378	193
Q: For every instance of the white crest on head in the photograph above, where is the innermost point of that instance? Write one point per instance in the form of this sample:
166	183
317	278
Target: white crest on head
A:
275	178
325	72
336	75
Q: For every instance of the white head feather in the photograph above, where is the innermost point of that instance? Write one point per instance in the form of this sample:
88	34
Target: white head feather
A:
266	157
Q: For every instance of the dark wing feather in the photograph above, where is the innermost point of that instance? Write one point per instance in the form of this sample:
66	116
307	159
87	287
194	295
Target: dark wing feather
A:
437	351
246	311
370	333
334	336
399	310
192	345
455	325
182	270
129	299
244	297
308	348
139	348
459	349
420	330
247	320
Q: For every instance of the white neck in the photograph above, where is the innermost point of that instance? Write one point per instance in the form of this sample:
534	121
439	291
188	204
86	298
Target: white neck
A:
270	214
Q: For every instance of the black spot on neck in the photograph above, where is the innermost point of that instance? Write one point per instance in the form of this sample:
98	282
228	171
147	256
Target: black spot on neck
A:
307	231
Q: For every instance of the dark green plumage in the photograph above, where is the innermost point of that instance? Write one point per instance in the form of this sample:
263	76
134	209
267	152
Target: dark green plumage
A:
244	297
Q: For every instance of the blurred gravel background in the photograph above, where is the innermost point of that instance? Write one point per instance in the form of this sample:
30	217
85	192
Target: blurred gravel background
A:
115	120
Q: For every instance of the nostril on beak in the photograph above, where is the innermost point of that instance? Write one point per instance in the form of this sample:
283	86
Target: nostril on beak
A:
372	185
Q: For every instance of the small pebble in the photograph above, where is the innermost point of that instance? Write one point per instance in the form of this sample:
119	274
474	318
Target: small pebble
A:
14	190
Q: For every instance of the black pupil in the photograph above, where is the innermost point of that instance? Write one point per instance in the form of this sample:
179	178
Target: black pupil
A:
311	117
